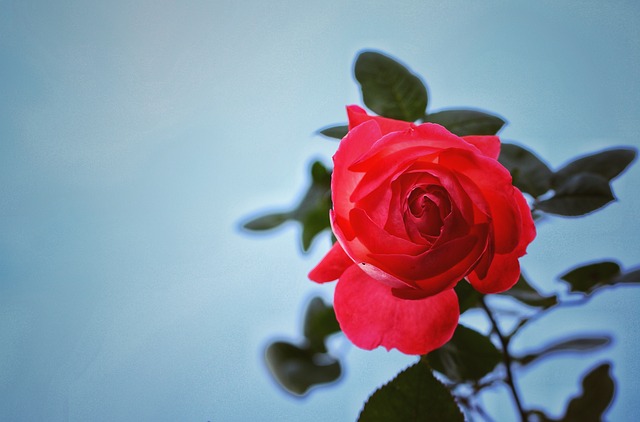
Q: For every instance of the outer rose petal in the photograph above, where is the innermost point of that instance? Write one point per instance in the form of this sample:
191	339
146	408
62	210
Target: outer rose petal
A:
371	316
358	115
488	145
334	263
503	273
354	145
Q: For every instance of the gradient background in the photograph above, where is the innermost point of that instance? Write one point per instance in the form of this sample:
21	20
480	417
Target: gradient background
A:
136	136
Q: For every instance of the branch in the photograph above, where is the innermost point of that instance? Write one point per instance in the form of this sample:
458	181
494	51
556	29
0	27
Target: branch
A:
504	341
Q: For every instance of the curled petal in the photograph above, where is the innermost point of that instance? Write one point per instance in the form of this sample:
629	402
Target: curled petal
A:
488	145
503	273
528	229
352	146
331	267
358	115
371	316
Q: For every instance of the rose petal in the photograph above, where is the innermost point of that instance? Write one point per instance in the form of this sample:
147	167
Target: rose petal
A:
409	145
377	240
358	115
503	273
352	146
371	316
528	230
437	269
488	145
494	181
331	267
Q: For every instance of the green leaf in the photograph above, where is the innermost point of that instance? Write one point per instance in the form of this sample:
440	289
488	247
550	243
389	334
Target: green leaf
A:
298	369
578	195
526	294
577	344
467	122
389	88
312	212
598	390
607	164
468	297
319	323
587	278
337	132
468	356
414	395
267	222
530	174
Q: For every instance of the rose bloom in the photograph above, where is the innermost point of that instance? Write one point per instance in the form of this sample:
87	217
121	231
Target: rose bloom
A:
417	209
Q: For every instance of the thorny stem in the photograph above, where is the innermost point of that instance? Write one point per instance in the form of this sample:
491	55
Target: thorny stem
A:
504	341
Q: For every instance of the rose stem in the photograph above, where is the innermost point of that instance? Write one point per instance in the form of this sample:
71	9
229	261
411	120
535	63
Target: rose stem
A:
507	360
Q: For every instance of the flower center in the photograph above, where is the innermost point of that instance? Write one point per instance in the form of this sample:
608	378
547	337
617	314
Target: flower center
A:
429	205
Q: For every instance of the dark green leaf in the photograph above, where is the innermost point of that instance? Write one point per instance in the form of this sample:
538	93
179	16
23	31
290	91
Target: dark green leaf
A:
598	390
467	122
319	323
312	212
579	195
298	369
530	174
389	88
414	395
578	344
607	164
468	297
320	174
267	222
468	356
526	294
337	132
587	278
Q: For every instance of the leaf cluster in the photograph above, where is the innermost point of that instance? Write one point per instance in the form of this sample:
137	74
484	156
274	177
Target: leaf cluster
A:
312	212
301	366
581	186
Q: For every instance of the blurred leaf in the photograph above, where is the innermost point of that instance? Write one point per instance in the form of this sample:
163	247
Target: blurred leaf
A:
578	195
598	390
578	344
312	212
467	122
319	323
587	278
414	395
607	164
320	174
337	132
468	356
526	294
267	222
298	369
389	88
468	297
530	174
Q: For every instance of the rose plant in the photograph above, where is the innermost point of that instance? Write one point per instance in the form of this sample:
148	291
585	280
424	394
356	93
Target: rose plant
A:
415	210
429	218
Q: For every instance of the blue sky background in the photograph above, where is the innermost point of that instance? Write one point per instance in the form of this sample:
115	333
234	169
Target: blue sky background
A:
135	136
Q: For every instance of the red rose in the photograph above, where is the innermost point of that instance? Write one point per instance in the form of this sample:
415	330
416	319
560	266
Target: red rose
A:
415	210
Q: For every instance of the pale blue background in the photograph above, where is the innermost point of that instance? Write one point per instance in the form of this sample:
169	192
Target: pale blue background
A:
136	135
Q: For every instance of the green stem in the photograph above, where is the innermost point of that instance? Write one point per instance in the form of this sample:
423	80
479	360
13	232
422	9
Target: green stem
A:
504	341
